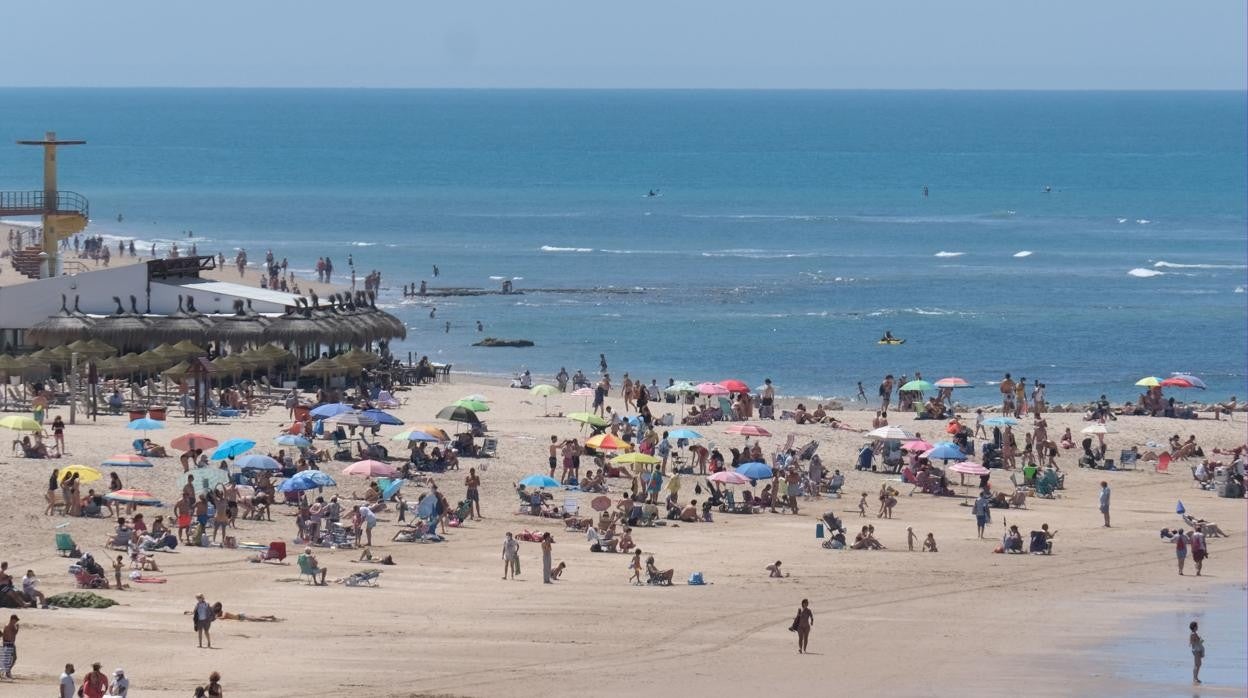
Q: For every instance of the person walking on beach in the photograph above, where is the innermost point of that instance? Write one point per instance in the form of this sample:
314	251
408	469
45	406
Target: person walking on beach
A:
1180	548
547	542
511	556
203	617
1104	502
801	625
982	512
8	647
1197	643
473	495
886	392
67	682
1200	549
95	683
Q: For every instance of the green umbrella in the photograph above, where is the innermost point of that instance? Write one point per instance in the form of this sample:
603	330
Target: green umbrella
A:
474	405
919	386
586	418
544	391
681	387
457	413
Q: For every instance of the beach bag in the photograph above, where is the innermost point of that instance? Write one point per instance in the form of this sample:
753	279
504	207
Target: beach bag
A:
696	579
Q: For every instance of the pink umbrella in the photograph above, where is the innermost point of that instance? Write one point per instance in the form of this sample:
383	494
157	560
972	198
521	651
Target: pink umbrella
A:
747	430
735	386
370	468
729	477
916	445
952	382
712	389
966	467
583	392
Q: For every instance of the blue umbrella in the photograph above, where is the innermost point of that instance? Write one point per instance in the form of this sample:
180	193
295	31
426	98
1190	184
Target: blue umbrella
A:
1001	422
145	424
945	450
539	480
683	434
233	448
383	417
755	470
306	480
292	440
256	461
389	487
425	509
331	409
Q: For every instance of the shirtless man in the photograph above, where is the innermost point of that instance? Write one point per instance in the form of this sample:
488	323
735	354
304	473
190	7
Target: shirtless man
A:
886	392
8	646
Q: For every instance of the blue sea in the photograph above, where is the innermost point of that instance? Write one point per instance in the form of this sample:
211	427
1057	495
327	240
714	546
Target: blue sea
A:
1084	239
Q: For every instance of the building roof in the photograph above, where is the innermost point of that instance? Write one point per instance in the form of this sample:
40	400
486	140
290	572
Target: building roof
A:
225	288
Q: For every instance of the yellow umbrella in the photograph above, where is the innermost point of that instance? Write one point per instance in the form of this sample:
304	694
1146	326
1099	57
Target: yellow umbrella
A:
85	473
607	442
18	422
638	458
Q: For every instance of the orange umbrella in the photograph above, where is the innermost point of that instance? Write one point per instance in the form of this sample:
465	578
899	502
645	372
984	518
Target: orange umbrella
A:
433	431
191	441
607	442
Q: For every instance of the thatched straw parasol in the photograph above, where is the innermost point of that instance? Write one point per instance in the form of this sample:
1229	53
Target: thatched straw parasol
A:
320	367
11	365
64	327
240	328
177	371
189	349
122	328
181	325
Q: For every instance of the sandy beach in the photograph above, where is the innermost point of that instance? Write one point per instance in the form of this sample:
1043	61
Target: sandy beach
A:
442	622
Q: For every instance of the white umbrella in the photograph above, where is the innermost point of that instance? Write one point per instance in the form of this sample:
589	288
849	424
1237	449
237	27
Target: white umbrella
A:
1098	429
890	433
353	419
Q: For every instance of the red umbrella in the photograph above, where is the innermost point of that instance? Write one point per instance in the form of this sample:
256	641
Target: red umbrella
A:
747	430
1177	382
735	386
191	440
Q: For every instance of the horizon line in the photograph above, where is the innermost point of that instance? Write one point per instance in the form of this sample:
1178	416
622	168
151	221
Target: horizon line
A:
1243	90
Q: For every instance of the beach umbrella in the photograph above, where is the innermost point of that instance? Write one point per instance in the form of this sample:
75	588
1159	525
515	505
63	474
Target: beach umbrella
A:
890	433
292	440
383	417
678	388
320	367
331	409
729	477
952	382
1192	381
601	503
176	371
127	460
192	441
145	424
636	459
353	419
1001	422
919	386
754	470
945	450
583	392
257	461
477	397
204	479
747	430
1098	429
455	413
1149	382
389	487
232	448
474	405
969	468
539	480
136	497
607	442
735	386
683	434
592	420
433	430
189	349
416	435
541	390
918	446
370	468
85	473
712	389
306	480
18	422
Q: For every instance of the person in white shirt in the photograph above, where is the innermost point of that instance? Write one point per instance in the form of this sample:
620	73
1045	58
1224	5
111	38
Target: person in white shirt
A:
30	587
370	520
120	687
67	682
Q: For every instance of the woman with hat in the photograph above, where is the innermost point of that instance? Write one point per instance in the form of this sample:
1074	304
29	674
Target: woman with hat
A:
203	617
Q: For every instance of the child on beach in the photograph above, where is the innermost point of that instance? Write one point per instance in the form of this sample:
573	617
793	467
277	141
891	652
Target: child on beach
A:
862	506
979	424
118	565
929	544
774	571
635	566
910	538
558	570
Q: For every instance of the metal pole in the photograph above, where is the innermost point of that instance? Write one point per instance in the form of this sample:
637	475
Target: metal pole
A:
73	388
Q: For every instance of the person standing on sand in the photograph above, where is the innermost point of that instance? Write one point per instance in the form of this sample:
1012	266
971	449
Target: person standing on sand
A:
547	542
886	392
8	647
511	556
801	625
203	617
982	512
1198	652
1200	549
473	495
95	683
1104	503
67	682
1180	548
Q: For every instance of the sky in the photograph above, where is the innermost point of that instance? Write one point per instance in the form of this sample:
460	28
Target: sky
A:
809	44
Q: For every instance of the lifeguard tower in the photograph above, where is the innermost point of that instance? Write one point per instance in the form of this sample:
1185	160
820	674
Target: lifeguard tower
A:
63	214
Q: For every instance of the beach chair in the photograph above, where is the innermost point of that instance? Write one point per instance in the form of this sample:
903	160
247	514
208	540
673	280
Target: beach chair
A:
65	546
1046	484
1163	463
570	507
1128	459
725	410
119	541
85	580
463	511
365	578
276	551
306	569
489	448
808	451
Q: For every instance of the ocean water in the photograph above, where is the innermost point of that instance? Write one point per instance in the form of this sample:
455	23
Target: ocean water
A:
790	233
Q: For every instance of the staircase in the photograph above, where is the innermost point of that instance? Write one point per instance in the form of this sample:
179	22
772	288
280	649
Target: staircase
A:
27	261
67	215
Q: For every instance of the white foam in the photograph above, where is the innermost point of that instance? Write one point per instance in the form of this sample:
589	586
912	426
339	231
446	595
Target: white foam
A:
1145	273
942	253
1239	289
1174	265
363	244
1142	221
1122	220
497	278
550	248
1023	253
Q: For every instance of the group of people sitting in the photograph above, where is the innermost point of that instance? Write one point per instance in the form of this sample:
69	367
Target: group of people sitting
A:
1039	542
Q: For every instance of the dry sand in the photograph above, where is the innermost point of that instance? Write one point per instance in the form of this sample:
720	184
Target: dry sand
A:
442	621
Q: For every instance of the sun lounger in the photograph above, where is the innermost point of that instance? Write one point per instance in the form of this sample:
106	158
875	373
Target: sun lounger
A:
65	545
489	447
365	578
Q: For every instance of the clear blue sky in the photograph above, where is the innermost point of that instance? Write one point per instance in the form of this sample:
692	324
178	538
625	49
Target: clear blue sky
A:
938	44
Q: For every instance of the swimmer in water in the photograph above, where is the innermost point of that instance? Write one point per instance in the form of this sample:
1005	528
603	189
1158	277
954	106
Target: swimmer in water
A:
924	191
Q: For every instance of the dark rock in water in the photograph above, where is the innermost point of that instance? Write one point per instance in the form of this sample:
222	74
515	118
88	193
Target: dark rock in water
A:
495	342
